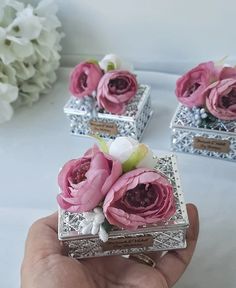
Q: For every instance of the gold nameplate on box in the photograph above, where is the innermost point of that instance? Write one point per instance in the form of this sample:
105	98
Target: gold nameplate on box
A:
209	144
103	127
128	242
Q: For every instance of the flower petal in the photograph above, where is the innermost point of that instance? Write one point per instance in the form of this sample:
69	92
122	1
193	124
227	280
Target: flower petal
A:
139	154
26	25
8	92
22	51
6	111
122	148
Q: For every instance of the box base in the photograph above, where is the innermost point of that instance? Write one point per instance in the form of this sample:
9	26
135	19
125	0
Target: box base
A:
162	241
217	143
86	119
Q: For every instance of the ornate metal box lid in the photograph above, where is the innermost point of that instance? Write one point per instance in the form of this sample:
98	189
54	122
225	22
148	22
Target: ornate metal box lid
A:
68	225
87	118
78	107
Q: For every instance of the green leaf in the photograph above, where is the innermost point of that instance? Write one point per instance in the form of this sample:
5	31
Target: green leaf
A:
102	144
135	158
92	61
110	66
107	226
221	61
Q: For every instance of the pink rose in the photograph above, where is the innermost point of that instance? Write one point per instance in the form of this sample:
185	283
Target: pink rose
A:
115	90
227	73
139	197
84	182
84	79
221	99
190	87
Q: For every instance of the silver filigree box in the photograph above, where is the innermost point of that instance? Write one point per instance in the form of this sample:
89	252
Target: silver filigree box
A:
156	237
87	119
217	139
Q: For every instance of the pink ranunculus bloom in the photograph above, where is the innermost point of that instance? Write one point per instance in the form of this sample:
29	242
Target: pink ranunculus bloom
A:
139	197
221	99
115	90
191	86
227	73
84	182
84	79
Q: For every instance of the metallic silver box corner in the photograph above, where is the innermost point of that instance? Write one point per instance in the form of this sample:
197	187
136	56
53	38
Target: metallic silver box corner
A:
165	236
132	123
184	133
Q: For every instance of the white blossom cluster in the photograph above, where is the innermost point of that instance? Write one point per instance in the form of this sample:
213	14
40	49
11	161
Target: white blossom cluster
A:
29	52
93	224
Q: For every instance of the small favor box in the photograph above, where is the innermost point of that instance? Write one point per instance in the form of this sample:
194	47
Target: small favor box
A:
87	119
217	139
154	237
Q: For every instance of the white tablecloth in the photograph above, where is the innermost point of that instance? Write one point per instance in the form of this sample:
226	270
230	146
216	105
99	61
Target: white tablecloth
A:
36	142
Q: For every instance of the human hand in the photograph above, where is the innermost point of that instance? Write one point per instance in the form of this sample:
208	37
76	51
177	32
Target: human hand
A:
45	264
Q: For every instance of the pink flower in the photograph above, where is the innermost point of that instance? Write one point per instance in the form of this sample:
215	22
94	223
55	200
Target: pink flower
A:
191	86
221	99
139	197
227	73
84	182
84	79
115	90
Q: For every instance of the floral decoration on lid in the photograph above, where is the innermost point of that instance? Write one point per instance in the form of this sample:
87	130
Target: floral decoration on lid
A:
209	91
108	82
115	185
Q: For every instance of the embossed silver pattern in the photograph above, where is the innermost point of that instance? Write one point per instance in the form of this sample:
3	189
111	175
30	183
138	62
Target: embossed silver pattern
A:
132	123
166	235
184	130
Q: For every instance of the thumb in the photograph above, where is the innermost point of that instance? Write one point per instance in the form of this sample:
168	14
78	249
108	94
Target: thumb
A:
42	239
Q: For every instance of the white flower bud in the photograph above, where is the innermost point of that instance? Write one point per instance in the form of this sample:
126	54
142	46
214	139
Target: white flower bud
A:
116	62
99	218
95	228
122	147
92	224
98	210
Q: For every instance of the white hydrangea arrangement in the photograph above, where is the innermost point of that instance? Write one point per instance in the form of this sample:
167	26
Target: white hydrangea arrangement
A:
29	52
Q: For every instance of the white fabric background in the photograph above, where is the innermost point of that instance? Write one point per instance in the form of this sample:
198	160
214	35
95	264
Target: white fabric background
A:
36	143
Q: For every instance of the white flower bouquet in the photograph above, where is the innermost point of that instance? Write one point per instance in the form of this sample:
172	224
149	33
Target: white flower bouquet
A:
29	52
